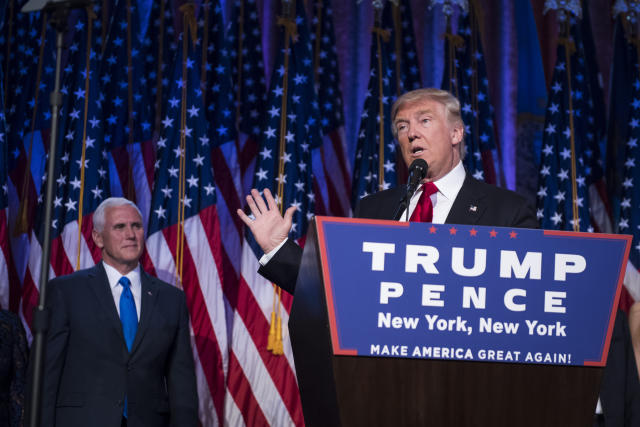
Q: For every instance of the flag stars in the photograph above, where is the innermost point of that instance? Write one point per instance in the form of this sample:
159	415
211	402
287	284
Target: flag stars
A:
282	179
274	112
167	122
550	129
556	218
563	174
70	205
198	160
193	181
560	196
209	189
80	165
193	111
173	171
290	137
270	132
97	192
166	191
160	212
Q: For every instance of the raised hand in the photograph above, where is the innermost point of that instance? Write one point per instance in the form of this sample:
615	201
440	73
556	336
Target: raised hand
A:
269	228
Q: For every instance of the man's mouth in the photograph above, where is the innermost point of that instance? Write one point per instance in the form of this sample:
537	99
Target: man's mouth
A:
416	150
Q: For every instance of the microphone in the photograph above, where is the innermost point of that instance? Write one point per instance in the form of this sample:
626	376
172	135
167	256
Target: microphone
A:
417	172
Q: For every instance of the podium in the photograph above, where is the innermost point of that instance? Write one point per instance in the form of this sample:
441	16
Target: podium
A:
342	387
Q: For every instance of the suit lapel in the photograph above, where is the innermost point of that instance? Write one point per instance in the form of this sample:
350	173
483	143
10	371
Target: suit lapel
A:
469	205
148	302
102	290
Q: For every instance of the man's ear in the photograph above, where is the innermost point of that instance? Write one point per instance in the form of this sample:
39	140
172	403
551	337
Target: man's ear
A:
97	238
457	133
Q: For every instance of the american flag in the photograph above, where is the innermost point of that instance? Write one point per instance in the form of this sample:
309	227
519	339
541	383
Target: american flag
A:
629	214
331	166
249	83
161	50
220	115
375	163
262	383
81	174
398	20
465	76
30	53
128	123
184	241
570	161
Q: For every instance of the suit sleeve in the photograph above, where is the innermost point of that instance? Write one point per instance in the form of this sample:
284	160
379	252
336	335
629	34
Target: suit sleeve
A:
283	268
181	377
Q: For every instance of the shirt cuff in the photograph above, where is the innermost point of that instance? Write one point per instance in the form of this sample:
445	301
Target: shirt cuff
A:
267	257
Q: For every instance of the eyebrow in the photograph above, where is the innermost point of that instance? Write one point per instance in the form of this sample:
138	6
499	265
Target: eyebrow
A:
418	113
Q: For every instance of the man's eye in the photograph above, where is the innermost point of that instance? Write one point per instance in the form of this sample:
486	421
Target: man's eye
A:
401	127
425	121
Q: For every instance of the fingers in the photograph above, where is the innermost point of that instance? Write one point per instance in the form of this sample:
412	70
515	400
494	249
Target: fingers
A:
259	201
244	217
270	200
288	214
252	205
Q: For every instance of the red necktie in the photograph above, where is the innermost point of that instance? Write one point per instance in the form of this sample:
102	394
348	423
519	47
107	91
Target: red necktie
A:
424	209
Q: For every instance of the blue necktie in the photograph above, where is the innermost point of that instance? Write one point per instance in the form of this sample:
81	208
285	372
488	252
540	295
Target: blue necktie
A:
128	318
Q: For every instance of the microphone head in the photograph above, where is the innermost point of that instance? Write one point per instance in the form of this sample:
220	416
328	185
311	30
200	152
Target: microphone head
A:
418	169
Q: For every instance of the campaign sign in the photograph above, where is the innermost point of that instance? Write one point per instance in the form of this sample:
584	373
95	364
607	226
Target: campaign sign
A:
457	292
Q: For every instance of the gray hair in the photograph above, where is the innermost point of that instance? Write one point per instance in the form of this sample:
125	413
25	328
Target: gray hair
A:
111	202
450	102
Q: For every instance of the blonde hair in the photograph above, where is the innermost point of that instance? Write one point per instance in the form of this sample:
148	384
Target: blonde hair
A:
450	102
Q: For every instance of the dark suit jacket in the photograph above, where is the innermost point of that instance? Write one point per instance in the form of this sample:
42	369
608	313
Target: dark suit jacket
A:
477	203
620	387
88	370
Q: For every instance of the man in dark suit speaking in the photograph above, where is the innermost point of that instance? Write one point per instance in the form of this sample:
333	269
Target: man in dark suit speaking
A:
428	125
117	350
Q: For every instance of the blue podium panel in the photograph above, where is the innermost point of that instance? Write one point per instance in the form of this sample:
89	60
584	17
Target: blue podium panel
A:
457	292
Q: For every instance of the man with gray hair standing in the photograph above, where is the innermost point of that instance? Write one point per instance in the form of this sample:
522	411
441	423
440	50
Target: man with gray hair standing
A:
117	350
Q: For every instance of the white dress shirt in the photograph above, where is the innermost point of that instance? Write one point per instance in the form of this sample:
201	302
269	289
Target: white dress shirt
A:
116	288
448	188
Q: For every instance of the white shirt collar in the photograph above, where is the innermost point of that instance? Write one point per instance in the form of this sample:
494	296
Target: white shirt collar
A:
450	184
114	275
